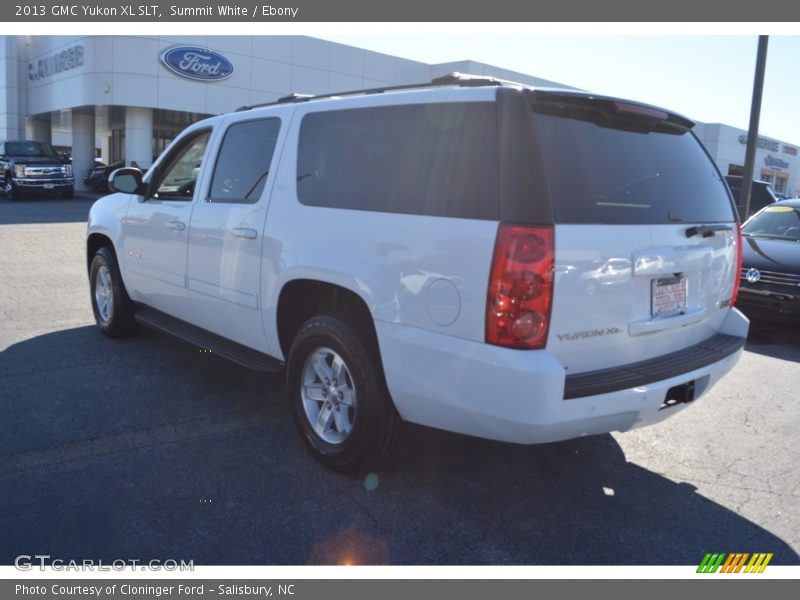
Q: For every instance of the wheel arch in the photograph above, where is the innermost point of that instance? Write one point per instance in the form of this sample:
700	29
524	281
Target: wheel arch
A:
94	242
302	298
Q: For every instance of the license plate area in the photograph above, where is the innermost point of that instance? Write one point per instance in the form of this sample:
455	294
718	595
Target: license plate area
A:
668	296
48	186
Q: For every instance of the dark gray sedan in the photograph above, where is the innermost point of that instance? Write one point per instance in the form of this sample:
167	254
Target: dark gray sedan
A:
770	276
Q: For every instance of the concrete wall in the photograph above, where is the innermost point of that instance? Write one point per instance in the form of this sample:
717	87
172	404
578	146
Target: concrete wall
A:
12	118
126	71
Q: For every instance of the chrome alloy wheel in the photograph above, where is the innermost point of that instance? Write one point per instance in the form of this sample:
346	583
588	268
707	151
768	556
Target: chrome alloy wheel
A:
329	395
104	294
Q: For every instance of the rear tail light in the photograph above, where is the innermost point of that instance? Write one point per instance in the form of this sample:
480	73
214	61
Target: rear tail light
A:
738	273
520	287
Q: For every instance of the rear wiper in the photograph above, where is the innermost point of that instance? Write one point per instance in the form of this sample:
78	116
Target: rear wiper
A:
626	186
706	230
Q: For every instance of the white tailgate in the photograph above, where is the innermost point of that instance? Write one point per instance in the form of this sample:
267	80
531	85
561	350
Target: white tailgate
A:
625	293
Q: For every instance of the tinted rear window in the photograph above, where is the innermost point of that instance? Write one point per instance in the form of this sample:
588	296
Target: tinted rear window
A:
427	159
600	173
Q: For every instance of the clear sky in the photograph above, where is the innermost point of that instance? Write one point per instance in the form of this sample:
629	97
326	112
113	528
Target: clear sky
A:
707	78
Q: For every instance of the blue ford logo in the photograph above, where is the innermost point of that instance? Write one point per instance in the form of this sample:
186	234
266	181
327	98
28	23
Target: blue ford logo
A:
197	63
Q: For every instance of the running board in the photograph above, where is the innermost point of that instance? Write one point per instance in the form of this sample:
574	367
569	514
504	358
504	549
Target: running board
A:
241	355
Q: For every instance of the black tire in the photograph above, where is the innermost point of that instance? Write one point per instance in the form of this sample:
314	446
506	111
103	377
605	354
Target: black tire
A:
376	425
68	193
117	319
10	189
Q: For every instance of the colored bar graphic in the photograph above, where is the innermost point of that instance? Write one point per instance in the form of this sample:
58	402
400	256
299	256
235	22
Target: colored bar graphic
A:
711	562
758	563
727	566
733	562
741	562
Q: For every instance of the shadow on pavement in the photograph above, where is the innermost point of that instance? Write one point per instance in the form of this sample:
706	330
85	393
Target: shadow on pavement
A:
146	448
46	209
775	340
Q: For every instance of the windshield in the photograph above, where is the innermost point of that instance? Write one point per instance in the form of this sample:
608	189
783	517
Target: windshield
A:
31	149
780	222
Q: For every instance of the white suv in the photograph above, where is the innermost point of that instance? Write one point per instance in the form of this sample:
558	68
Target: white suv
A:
517	264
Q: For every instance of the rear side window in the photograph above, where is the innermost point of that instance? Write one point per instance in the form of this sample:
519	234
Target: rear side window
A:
244	159
426	159
618	173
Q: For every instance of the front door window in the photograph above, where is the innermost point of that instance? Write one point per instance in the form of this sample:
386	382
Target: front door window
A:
176	181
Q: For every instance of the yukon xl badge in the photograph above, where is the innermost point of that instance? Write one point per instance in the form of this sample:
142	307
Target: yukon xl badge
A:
581	335
194	62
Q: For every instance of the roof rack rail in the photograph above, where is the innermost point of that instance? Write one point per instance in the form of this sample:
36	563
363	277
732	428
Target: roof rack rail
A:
454	79
467	80
294	97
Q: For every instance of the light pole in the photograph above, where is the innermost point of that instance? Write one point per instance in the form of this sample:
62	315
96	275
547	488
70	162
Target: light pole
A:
752	132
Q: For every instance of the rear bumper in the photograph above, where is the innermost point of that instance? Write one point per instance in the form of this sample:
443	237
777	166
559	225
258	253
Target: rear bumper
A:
519	396
594	383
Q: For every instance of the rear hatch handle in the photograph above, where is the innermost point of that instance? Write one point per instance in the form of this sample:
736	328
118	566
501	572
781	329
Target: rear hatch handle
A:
706	230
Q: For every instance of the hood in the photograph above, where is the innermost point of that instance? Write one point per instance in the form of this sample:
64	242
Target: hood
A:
37	160
106	168
766	254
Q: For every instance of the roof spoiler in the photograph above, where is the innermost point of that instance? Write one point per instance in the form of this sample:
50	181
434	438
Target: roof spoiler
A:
610	106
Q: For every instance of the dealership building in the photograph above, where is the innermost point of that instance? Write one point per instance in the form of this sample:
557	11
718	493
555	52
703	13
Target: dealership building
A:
777	162
127	97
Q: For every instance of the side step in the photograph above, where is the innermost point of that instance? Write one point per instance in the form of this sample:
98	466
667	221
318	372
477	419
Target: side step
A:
241	355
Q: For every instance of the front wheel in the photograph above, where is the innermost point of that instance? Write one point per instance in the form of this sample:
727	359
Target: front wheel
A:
339	398
9	189
113	309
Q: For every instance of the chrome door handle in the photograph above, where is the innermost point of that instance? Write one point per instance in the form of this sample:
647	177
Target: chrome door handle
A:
176	225
245	232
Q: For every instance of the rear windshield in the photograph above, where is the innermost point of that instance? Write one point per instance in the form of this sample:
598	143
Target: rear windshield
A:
618	173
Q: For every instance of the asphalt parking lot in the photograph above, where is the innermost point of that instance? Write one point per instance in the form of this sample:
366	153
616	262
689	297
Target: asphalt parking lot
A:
147	448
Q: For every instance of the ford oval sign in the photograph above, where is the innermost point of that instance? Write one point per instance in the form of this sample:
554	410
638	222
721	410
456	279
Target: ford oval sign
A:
197	63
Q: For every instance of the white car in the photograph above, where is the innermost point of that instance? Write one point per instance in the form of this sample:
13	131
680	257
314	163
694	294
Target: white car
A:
421	254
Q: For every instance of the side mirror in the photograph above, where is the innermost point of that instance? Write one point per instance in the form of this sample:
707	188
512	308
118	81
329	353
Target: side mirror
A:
127	180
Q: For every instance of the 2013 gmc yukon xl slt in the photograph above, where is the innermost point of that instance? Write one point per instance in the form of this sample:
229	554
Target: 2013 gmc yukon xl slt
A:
474	255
